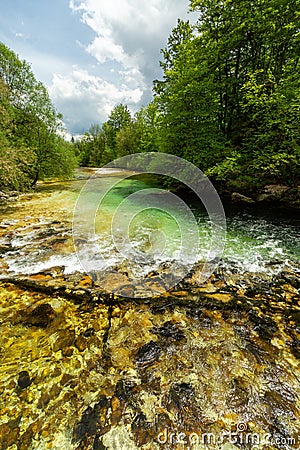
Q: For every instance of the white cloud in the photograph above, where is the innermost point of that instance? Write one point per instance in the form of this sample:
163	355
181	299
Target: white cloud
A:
128	31
81	85
125	48
132	77
115	46
88	99
105	49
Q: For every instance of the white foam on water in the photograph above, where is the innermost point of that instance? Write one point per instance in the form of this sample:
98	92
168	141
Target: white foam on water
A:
245	251
18	266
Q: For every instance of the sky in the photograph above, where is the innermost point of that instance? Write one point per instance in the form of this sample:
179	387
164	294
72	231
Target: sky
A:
92	54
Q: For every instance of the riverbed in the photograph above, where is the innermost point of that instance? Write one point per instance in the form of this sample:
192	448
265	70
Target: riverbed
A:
134	357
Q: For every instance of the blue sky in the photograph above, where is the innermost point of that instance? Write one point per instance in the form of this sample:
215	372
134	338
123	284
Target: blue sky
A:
91	54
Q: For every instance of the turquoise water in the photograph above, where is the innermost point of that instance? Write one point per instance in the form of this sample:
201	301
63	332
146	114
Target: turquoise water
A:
135	223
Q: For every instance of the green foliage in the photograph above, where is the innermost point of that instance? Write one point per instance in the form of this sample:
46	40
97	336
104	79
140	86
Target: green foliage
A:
128	139
229	100
272	136
140	134
59	161
121	135
148	121
118	119
188	121
16	166
228	168
29	142
16	163
91	148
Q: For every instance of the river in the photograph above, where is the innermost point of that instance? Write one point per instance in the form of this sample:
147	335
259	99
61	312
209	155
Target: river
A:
110	338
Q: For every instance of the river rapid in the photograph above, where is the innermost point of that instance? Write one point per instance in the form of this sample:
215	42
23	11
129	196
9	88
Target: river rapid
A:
133	357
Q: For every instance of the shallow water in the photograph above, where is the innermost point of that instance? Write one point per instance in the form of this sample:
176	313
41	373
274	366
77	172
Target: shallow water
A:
211	365
119	230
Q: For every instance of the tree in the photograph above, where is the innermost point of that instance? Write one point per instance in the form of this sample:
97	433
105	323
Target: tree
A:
119	118
229	100
141	133
33	121
16	164
128	139
91	148
188	120
98	142
147	119
245	37
272	137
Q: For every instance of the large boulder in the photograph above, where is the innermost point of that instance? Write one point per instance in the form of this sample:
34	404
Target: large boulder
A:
281	194
272	193
240	198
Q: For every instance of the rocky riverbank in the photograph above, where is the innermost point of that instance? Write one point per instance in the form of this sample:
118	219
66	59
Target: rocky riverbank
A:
272	195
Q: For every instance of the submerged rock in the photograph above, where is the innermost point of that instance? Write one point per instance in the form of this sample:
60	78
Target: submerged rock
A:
148	354
64	339
265	326
182	402
272	192
4	248
295	348
81	343
41	316
24	379
9	434
181	394
141	428
92	425
169	330
87	425
240	198
89	332
185	361
239	394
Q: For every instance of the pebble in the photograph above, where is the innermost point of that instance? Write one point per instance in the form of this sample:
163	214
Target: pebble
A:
89	332
169	330
41	316
80	343
24	379
148	354
68	351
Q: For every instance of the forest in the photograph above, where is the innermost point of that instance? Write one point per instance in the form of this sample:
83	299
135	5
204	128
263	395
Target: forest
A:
228	101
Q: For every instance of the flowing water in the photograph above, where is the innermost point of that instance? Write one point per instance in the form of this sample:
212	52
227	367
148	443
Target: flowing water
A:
88	364
256	241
